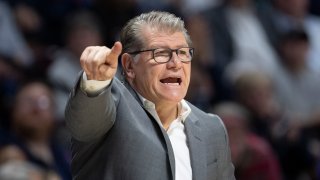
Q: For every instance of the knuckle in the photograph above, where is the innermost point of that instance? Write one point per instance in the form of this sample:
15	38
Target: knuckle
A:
95	62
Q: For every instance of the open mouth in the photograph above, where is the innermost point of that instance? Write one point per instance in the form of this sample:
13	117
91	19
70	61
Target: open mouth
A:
171	80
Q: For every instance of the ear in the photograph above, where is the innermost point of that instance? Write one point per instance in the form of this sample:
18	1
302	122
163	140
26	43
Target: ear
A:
127	65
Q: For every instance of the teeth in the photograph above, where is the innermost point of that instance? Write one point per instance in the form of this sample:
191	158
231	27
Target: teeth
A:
172	83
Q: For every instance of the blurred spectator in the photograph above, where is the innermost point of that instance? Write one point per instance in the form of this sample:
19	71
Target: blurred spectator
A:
82	30
268	119
40	23
297	89
287	16
28	19
33	28
22	170
254	91
32	129
240	41
11	153
44	19
12	42
14	165
252	155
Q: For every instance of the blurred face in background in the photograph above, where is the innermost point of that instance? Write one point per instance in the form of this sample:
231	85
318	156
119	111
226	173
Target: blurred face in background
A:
259	96
33	112
82	30
255	92
294	53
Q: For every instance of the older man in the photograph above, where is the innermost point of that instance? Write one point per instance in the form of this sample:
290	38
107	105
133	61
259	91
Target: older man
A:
140	127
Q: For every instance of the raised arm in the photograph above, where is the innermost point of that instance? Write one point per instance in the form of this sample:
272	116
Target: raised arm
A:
90	110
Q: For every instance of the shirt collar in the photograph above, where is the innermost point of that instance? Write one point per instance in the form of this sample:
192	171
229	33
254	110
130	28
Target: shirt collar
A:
183	114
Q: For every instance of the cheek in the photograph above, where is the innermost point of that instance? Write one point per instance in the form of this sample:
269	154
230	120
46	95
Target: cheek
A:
151	75
187	73
144	81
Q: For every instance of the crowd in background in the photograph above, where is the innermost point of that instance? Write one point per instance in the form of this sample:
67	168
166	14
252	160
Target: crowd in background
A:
256	65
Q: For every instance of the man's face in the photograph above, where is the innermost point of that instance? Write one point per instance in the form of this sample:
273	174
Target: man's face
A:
161	83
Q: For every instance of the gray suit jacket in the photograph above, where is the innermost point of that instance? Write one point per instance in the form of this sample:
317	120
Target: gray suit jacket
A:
115	138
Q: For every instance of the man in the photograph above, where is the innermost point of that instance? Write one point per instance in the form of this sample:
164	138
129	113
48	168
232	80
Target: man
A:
141	127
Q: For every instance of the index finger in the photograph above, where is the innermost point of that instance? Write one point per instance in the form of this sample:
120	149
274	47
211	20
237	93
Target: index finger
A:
115	51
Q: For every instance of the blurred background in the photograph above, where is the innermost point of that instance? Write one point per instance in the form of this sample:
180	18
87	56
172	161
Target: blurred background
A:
256	65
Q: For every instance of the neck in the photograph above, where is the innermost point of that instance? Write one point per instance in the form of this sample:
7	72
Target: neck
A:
33	135
167	113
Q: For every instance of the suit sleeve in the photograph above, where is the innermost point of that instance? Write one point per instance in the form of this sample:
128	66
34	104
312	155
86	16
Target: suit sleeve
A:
90	117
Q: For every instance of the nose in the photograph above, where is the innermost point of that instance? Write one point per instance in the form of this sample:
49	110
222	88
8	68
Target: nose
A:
174	61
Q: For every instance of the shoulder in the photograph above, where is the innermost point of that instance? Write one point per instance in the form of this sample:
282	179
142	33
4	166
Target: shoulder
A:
120	87
122	92
212	132
209	122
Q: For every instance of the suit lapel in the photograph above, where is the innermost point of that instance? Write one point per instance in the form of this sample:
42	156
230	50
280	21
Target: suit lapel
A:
170	152
168	145
196	148
164	133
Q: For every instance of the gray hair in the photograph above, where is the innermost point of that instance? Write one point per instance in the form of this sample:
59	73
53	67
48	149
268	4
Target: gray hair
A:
131	37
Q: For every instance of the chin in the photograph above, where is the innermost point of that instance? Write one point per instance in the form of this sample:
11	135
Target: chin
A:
174	98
